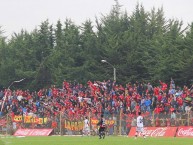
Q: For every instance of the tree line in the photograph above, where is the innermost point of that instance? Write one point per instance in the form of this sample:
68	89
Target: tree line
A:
142	46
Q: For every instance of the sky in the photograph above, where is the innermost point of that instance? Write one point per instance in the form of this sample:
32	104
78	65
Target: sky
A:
28	14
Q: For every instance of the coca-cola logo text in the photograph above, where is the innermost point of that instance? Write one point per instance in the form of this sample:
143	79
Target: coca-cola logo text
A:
185	132
154	132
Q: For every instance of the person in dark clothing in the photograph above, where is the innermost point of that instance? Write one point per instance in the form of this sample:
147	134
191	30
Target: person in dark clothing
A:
102	127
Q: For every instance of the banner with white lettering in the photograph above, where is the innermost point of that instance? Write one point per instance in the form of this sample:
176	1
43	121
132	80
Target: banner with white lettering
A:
155	131
184	131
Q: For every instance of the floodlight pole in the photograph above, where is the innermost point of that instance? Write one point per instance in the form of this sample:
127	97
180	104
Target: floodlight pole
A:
114	69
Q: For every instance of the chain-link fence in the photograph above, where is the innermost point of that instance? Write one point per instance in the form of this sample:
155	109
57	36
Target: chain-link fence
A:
117	124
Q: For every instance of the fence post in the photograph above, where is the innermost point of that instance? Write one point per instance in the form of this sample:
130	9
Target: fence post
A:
115	125
60	123
23	121
89	118
65	125
7	124
188	118
153	120
120	120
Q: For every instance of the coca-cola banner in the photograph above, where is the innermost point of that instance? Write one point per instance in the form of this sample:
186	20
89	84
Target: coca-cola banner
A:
184	131
33	132
155	131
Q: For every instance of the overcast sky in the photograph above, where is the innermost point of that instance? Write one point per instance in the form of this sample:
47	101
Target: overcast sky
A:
28	14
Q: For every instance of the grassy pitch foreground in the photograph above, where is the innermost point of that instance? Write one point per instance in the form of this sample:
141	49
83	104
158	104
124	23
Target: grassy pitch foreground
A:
61	140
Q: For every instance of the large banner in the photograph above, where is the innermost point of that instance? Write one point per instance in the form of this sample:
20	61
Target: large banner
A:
33	132
29	119
73	125
78	125
155	131
184	131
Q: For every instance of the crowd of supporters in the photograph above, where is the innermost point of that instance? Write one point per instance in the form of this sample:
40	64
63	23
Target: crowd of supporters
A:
97	97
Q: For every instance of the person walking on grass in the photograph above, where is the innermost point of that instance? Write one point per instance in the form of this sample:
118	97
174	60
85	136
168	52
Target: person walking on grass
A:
86	129
139	128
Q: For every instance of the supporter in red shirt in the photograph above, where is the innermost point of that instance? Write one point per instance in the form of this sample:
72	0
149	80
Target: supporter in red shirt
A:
157	110
159	98
164	86
156	91
40	93
137	109
171	109
121	97
179	101
157	122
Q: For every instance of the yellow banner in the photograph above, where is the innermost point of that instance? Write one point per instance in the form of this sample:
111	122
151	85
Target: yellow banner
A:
108	122
78	125
94	121
17	118
30	119
73	125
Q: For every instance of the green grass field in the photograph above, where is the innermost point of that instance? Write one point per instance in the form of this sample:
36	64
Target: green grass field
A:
61	140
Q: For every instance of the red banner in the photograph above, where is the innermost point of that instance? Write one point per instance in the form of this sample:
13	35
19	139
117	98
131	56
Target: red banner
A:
33	132
155	131
184	131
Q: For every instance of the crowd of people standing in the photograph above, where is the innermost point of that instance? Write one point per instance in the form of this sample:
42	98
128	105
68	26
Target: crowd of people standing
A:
106	97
